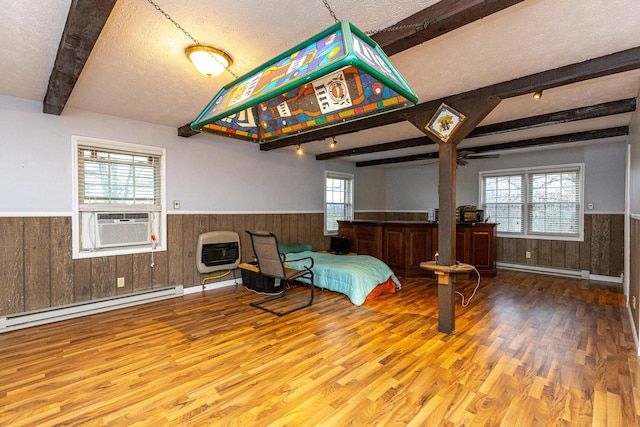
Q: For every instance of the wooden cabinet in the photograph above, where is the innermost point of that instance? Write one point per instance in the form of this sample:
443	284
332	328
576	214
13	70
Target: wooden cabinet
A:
365	237
345	229
368	239
406	245
403	245
475	245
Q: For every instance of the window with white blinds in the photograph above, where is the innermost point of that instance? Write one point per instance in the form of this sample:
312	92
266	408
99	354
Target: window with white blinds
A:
109	177
555	202
541	202
504	198
338	202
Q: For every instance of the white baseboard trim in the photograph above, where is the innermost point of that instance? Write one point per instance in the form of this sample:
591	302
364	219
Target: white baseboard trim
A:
41	317
611	279
578	274
209	286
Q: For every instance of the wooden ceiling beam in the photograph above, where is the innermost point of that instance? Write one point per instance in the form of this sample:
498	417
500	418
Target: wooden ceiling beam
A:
377	148
582	113
399	159
85	21
552	140
436	20
614	63
601	66
527	143
186	131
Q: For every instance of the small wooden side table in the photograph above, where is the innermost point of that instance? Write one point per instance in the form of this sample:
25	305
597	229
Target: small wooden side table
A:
444	272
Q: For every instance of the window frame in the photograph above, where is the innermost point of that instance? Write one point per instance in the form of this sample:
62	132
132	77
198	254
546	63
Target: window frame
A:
510	174
526	174
347	177
81	210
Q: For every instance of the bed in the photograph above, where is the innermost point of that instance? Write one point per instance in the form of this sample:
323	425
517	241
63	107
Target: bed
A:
360	277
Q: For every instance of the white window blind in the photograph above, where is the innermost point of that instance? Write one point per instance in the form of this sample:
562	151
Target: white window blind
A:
504	198
338	200
554	202
108	177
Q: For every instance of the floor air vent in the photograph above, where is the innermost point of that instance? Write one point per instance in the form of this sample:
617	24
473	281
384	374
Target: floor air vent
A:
218	250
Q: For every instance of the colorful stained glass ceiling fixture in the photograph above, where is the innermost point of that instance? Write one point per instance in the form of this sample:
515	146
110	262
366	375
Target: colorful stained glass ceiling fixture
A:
339	75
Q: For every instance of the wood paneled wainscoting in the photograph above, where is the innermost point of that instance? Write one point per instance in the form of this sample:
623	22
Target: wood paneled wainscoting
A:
37	270
634	273
601	252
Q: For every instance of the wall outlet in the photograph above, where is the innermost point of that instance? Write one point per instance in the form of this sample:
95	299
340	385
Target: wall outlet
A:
633	302
176	204
121	282
528	254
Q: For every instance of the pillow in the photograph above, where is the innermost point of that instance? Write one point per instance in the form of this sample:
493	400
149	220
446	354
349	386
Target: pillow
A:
289	248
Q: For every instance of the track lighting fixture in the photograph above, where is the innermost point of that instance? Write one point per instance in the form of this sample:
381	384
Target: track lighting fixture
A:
537	94
333	143
299	150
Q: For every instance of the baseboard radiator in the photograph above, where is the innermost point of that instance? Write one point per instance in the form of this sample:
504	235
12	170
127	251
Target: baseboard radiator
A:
41	317
579	274
582	274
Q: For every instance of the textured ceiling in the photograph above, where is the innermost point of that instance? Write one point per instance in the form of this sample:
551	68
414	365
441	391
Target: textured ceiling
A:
29	37
141	59
138	69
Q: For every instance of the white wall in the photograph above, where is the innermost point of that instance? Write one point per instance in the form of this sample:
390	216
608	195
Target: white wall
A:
415	188
605	177
412	188
370	189
206	173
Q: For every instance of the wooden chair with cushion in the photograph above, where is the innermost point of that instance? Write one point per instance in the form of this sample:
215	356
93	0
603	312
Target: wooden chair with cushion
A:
271	264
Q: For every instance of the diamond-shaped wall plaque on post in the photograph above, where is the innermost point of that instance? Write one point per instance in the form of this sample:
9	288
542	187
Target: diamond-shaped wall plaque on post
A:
445	122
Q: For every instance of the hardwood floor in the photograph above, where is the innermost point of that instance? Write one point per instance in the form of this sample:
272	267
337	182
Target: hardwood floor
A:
529	350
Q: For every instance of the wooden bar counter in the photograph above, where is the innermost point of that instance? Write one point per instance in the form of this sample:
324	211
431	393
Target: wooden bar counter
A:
403	245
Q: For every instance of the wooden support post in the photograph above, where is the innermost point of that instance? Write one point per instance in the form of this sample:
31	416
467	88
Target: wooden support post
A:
475	110
447	235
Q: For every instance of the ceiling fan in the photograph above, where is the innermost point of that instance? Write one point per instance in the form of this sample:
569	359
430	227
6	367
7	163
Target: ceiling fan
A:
463	156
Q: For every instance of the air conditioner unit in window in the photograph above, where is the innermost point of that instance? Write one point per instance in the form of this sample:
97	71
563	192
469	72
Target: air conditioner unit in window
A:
122	229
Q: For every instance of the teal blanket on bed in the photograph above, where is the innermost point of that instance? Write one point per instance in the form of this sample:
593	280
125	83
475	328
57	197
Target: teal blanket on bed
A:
355	276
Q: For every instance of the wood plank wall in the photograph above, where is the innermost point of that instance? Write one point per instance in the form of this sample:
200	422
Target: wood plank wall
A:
601	252
38	272
634	273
